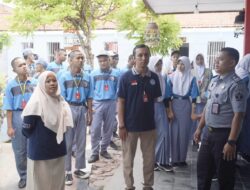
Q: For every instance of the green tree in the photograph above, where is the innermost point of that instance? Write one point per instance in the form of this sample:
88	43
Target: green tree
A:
4	40
80	16
134	17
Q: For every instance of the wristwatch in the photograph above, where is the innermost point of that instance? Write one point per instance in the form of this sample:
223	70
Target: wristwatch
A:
231	142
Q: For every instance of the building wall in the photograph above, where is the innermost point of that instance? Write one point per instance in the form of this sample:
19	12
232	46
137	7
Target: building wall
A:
197	38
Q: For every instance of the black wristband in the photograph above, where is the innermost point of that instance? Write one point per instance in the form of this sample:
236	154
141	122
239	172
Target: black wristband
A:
231	142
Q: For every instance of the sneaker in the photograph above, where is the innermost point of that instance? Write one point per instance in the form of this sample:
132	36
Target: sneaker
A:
106	155
68	179
81	174
93	158
113	145
22	183
156	167
166	168
115	135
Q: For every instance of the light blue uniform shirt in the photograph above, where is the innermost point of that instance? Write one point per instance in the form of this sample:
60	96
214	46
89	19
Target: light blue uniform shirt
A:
104	85
57	68
13	94
71	85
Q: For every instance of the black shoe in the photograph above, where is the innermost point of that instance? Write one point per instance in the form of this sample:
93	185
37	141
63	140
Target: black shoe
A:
68	179
182	164
113	145
106	155
81	174
93	158
22	183
156	167
115	135
166	168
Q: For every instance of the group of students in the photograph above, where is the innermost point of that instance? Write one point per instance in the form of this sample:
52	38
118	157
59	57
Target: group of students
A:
54	111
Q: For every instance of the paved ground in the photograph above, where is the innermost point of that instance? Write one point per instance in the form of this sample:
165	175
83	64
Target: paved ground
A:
107	174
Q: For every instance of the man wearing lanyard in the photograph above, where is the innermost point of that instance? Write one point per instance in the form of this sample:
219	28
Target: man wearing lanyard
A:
75	88
17	94
104	83
138	90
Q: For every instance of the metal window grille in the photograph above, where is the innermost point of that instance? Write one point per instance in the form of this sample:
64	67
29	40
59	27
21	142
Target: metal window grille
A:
27	45
212	50
52	47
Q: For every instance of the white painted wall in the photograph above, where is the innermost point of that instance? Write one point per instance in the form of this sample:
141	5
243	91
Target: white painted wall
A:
197	39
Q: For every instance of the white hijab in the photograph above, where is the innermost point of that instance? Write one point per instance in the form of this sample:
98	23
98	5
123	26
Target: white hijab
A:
242	69
152	62
54	110
182	80
199	69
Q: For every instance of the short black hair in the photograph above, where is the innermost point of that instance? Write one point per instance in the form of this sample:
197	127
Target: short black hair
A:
59	50
140	46
175	52
73	53
13	62
232	52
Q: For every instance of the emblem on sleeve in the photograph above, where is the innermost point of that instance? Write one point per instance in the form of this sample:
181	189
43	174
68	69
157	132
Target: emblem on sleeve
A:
152	81
239	96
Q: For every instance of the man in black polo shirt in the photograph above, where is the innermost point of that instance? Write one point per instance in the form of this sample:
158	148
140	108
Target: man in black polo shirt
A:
138	89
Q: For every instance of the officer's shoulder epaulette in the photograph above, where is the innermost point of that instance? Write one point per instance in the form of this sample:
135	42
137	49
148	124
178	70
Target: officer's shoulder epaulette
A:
236	78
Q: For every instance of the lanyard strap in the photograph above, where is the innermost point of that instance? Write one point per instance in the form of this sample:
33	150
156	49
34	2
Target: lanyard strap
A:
77	83
22	87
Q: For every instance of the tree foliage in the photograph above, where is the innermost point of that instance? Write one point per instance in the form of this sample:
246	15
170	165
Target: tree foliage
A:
80	16
134	17
4	40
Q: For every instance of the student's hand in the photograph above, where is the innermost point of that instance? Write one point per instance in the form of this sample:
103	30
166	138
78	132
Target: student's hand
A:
170	115
123	133
197	135
11	132
229	152
194	117
89	118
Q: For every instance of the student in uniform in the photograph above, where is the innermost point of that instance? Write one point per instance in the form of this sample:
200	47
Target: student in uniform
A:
222	116
45	120
17	94
104	84
184	87
58	65
41	66
75	88
171	66
30	57
161	106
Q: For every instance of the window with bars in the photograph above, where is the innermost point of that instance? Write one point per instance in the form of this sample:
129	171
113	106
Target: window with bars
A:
212	50
52	47
111	46
27	45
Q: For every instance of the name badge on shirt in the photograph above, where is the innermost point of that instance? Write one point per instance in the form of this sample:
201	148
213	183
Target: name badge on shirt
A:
23	104
106	87
215	108
78	95
133	83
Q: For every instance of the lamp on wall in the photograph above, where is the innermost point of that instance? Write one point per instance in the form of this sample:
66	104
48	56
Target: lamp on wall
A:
152	35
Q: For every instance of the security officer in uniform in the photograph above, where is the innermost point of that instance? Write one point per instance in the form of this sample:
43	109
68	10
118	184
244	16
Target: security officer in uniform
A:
222	116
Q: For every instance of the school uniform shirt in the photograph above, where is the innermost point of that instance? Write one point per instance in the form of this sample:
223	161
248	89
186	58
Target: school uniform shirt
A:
54	67
139	93
17	95
75	89
104	84
226	96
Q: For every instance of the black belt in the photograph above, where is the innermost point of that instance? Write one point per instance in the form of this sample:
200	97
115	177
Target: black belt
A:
212	129
181	98
77	104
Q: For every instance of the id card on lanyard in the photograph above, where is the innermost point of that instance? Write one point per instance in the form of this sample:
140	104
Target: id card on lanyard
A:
23	89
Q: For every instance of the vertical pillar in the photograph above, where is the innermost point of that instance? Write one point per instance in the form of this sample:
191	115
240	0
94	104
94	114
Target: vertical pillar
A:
247	27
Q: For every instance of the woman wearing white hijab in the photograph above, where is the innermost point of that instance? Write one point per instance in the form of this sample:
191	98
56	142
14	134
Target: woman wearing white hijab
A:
203	76
184	87
45	120
162	149
242	69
